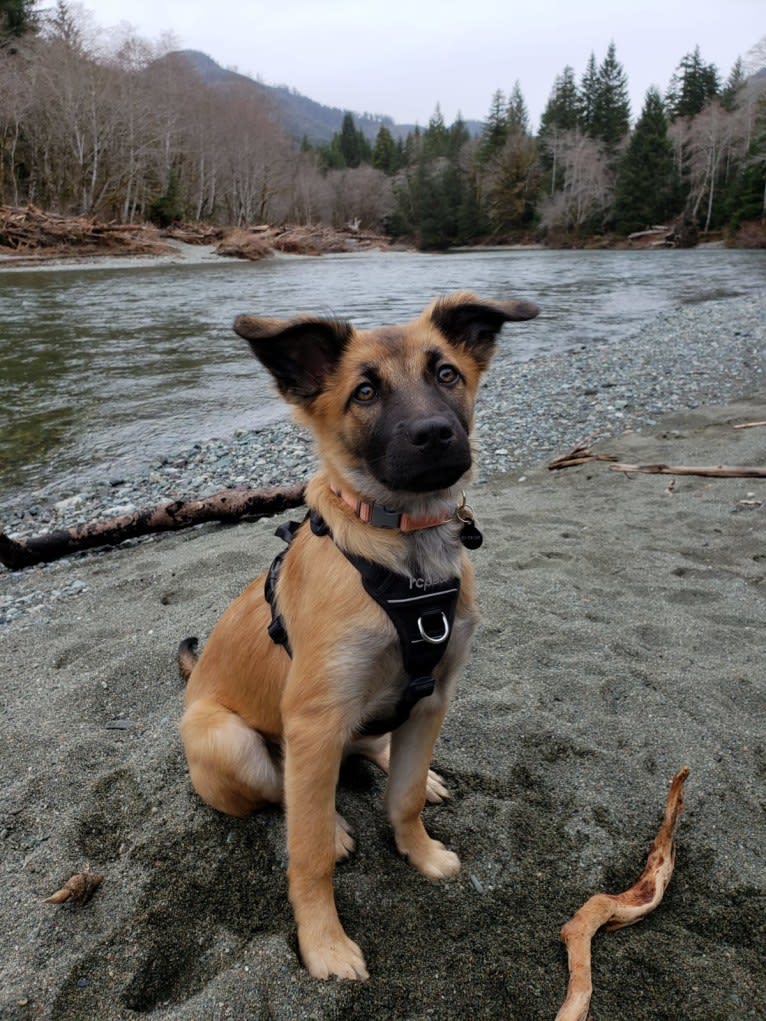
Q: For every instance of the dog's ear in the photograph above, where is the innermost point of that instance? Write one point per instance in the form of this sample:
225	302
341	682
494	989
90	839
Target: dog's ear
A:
299	353
470	322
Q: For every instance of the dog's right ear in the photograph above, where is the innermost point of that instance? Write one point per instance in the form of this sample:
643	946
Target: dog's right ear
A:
299	353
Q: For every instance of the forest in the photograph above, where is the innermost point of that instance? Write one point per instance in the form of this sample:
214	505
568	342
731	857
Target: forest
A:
124	129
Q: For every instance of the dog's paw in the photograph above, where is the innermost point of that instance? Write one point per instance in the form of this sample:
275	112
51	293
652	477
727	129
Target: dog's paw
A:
436	789
345	845
430	857
339	957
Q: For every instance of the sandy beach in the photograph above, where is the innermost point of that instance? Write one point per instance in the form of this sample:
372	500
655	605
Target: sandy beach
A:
623	636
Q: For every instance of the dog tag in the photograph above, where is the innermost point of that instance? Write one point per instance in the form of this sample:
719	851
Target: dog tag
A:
470	536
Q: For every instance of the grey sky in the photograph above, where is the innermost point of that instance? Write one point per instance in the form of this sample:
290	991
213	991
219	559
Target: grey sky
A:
401	57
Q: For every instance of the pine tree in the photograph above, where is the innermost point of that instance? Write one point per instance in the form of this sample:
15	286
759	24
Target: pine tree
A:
588	96
385	156
17	18
610	110
562	111
436	138
693	85
349	142
517	116
495	129
734	83
646	174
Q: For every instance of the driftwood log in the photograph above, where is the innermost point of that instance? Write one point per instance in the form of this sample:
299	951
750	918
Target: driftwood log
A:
720	471
617	910
225	505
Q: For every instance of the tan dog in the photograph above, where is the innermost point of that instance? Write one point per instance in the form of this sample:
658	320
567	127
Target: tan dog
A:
391	410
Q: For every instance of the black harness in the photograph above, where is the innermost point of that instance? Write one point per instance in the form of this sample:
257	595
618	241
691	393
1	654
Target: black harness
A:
423	616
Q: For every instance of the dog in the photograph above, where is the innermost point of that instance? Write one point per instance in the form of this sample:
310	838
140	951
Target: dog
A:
313	661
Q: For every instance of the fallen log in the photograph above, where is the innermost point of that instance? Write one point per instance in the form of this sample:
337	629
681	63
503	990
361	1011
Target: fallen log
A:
225	505
719	471
617	910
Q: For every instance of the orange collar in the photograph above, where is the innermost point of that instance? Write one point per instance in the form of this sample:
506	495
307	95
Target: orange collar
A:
376	514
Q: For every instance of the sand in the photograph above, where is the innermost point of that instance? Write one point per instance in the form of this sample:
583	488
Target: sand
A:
623	636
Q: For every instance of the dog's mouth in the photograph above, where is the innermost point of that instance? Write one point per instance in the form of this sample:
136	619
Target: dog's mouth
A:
429	478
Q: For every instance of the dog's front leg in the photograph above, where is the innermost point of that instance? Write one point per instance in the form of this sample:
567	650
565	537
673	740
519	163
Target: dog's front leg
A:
411	750
312	762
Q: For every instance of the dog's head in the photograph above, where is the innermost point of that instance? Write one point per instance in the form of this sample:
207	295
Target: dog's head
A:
391	408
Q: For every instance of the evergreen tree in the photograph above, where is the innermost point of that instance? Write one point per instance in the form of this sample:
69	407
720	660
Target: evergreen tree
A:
17	18
517	116
588	96
610	109
349	142
495	130
693	85
734	83
458	137
562	112
385	155
436	140
646	173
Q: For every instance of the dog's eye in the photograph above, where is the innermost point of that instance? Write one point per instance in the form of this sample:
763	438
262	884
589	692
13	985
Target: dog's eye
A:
365	393
447	375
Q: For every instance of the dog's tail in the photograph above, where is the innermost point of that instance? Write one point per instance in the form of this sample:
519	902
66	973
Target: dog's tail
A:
187	657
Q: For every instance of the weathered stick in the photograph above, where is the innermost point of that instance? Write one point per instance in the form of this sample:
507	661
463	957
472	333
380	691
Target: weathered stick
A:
749	425
225	505
720	471
579	454
617	910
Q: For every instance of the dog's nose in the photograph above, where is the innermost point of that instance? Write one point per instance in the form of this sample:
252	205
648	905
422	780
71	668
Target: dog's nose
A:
434	432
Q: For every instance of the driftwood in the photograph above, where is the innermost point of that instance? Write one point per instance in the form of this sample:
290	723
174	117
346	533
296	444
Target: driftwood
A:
28	230
749	425
225	505
719	471
579	454
617	910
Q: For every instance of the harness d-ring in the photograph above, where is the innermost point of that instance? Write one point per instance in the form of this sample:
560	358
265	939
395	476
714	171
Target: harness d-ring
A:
434	639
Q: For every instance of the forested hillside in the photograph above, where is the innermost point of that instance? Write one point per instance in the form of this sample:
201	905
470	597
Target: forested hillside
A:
127	131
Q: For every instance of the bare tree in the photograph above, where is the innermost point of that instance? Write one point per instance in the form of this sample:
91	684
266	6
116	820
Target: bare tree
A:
587	185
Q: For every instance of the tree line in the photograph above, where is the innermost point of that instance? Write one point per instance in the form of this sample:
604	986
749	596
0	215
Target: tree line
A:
120	128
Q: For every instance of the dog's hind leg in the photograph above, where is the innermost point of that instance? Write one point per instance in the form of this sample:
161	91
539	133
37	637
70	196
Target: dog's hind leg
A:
230	764
378	750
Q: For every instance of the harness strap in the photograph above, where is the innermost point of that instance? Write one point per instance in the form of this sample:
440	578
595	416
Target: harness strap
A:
423	616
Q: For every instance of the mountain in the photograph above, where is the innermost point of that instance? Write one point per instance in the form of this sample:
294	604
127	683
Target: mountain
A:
299	115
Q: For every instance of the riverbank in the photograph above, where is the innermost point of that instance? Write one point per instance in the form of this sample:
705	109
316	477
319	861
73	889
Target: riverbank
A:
623	635
703	353
30	236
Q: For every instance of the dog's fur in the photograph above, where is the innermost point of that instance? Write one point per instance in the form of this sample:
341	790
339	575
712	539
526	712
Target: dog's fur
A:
391	410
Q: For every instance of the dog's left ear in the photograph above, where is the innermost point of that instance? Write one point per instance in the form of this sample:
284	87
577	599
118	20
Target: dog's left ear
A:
470	322
299	353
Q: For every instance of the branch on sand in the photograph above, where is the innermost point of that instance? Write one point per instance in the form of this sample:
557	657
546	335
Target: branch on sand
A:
579	454
720	471
226	505
617	910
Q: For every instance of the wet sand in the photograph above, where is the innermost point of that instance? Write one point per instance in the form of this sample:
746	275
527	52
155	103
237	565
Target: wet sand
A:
623	636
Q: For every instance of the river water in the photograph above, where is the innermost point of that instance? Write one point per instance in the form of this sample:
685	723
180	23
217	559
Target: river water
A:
105	370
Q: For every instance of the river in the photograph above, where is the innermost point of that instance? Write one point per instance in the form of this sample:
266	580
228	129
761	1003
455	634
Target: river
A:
105	370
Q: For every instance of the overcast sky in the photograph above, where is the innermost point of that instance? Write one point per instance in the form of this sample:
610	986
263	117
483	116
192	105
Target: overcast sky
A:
401	57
